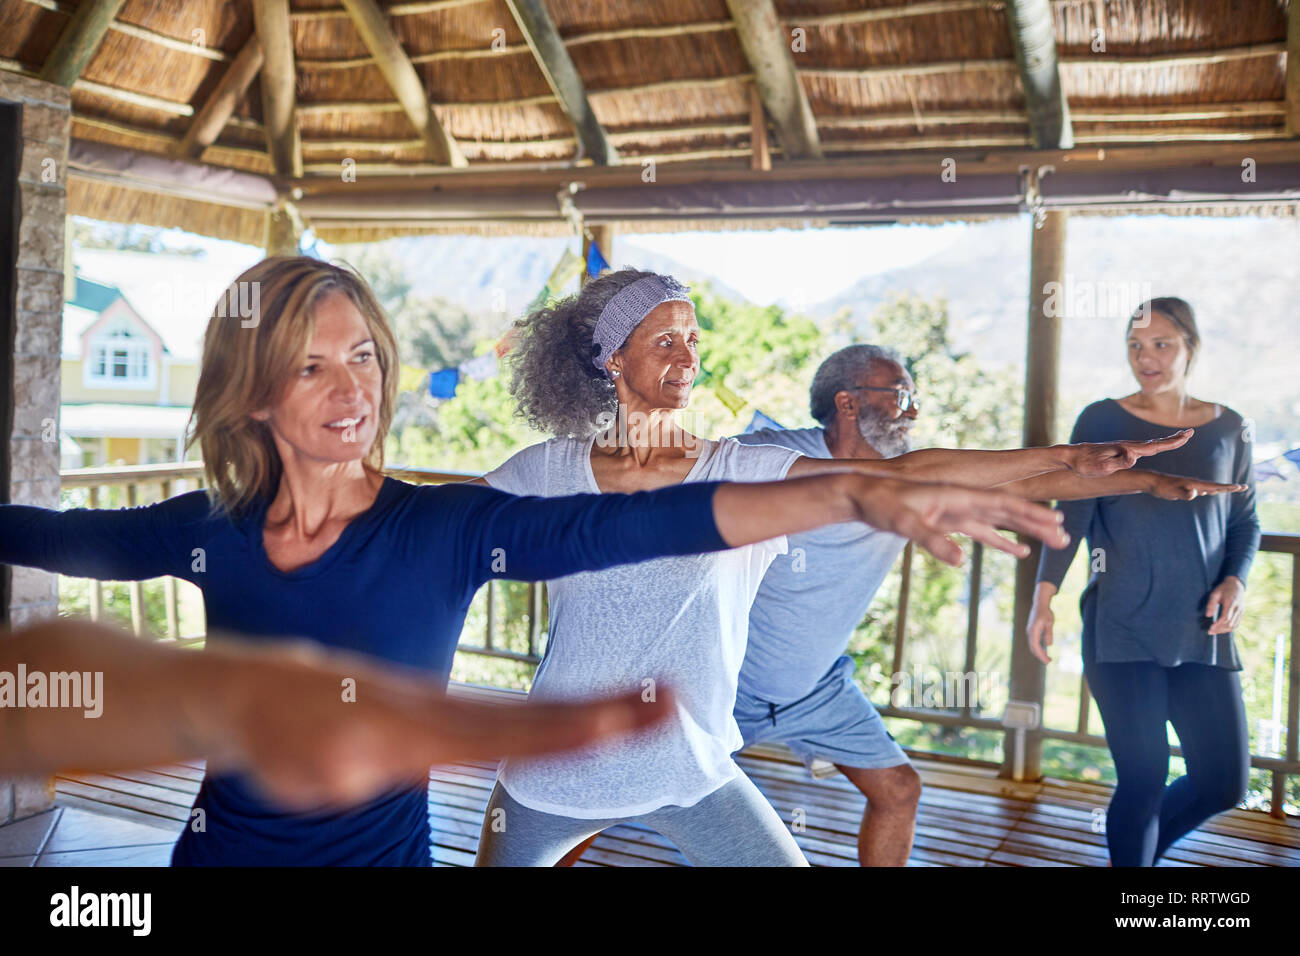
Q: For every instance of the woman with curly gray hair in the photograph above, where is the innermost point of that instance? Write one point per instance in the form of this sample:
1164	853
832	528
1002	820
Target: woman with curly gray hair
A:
605	372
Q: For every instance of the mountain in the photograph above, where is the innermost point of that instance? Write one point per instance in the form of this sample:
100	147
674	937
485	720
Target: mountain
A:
1241	276
478	272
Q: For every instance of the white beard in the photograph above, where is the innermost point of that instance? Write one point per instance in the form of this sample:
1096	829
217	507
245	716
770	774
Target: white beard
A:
888	437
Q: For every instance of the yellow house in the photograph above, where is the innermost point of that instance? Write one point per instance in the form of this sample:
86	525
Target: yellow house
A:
132	336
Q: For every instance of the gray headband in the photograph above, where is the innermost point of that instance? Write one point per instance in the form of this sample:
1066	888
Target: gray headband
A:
624	312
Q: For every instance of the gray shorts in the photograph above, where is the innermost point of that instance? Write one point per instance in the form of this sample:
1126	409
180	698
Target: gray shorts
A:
835	722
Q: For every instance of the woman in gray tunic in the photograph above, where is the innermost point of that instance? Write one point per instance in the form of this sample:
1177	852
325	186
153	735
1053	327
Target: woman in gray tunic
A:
1167	591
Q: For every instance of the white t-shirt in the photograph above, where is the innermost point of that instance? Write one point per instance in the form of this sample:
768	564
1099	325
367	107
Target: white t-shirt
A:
680	622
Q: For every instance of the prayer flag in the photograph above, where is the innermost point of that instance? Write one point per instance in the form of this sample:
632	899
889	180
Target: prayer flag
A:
761	422
596	263
410	378
443	384
1265	470
480	367
727	397
508	341
539	300
565	271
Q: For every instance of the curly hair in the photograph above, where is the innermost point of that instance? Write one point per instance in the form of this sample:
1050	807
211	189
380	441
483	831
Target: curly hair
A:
557	388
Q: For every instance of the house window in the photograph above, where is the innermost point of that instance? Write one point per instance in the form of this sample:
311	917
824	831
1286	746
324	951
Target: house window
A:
120	357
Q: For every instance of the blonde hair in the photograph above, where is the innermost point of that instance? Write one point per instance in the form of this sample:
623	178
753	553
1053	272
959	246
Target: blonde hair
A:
259	332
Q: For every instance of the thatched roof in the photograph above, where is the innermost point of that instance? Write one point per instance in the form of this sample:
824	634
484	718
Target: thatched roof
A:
668	81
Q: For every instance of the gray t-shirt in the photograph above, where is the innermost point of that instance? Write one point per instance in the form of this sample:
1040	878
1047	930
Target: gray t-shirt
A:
812	598
680	622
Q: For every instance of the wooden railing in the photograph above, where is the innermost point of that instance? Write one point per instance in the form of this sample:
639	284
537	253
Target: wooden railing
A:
1280	768
167	478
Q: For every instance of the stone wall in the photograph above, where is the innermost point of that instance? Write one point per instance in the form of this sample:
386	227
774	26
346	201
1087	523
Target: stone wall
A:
34	443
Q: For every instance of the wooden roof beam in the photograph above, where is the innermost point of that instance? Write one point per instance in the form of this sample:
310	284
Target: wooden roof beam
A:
1034	38
1293	68
140	33
372	23
185	179
279	96
79	41
563	79
849	196
767	48
216	112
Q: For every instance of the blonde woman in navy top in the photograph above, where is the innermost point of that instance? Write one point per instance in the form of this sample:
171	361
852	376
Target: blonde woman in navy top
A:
1167	590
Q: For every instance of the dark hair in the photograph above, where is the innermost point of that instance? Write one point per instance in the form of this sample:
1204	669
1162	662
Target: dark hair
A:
1179	312
557	386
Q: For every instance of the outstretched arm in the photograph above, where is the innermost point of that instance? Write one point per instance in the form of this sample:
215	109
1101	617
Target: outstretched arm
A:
984	469
921	511
121	544
529	538
276	712
1069	486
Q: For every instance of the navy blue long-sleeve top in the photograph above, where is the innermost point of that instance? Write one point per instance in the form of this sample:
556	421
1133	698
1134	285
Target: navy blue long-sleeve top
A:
1155	562
396	585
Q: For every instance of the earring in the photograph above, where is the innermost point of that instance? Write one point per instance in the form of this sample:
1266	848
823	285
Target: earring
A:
614	374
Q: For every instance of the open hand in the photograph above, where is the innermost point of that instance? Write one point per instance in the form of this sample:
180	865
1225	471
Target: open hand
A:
1180	488
309	748
927	513
1097	460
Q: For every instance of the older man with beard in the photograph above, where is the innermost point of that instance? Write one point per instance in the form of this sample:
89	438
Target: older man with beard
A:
796	684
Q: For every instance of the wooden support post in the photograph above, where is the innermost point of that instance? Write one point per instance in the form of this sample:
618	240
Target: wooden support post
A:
96	585
169	586
279	85
135	588
900	622
282	233
1042	361
79	41
761	157
973	615
1293	69
534	622
1278	801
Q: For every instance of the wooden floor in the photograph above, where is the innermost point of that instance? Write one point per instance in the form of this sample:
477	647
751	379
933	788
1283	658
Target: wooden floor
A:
967	817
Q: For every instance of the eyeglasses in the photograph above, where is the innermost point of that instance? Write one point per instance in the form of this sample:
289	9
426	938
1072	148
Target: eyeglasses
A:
906	399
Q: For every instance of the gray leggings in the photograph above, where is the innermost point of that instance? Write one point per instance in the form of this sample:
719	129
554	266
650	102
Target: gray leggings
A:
732	826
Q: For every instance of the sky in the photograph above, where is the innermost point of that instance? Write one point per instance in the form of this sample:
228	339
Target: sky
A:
757	264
